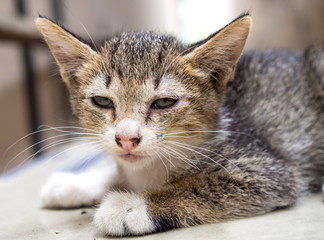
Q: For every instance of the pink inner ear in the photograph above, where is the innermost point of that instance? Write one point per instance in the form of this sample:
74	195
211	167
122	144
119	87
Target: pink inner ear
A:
217	55
233	50
69	52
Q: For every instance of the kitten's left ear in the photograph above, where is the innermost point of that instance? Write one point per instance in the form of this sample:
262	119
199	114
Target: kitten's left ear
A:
216	56
69	52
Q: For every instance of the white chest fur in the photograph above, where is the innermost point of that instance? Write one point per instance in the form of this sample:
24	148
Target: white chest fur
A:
146	178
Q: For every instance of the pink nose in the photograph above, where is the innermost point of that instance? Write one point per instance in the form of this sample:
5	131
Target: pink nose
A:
127	144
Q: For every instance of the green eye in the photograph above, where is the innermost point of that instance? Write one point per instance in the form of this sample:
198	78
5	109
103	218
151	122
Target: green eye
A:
102	102
163	103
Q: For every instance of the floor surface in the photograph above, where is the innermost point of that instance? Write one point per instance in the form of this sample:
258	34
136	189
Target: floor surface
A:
21	215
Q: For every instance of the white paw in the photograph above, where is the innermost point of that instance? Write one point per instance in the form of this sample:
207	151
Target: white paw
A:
123	214
67	190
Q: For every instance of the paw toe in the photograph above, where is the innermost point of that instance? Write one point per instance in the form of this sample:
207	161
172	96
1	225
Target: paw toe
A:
123	214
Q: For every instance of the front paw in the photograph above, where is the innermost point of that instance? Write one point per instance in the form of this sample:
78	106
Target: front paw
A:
67	190
123	214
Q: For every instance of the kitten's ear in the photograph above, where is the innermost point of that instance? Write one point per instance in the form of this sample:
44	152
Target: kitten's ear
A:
216	56
69	52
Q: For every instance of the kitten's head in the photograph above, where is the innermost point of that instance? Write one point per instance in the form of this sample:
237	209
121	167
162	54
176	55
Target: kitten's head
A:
147	95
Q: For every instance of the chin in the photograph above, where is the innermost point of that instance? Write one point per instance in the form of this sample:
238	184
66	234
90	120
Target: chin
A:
133	161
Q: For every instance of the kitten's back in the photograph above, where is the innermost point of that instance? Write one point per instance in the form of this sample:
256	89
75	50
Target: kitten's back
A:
280	96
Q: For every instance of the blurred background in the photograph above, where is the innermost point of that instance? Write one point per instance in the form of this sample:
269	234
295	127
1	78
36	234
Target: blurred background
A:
31	92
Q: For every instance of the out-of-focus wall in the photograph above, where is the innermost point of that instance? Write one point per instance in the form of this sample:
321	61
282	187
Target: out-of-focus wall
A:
14	120
292	24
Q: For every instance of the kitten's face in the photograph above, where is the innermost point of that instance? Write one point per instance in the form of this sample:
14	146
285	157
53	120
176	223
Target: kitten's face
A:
148	96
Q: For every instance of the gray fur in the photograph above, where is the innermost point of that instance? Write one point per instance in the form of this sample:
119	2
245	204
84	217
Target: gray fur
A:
279	95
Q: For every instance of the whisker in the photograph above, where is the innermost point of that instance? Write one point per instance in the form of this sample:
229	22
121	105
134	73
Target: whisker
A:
94	44
19	140
208	131
208	150
178	136
190	160
201	148
165	166
182	157
50	145
39	142
69	149
62	128
167	156
89	152
61	142
213	160
48	128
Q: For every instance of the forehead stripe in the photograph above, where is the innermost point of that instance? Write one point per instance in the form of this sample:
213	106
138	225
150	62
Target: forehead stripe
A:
157	82
108	80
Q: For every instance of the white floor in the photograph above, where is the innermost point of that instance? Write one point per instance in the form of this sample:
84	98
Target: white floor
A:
21	216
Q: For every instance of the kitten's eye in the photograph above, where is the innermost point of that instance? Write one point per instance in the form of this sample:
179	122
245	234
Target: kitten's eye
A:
102	102
163	103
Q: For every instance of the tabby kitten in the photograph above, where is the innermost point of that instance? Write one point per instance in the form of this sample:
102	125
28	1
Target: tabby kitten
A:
191	146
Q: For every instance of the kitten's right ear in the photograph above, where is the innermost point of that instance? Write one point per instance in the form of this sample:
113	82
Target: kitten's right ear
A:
69	52
217	55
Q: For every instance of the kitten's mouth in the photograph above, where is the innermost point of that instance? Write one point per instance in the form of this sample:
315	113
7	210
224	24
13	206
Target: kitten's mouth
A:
131	157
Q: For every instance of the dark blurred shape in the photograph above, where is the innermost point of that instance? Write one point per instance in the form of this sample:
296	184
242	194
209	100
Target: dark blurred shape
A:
57	11
20	7
29	80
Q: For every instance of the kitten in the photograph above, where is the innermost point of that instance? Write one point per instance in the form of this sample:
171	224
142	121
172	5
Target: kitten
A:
191	146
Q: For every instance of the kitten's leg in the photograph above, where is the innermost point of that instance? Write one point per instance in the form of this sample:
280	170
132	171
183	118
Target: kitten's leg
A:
69	190
197	199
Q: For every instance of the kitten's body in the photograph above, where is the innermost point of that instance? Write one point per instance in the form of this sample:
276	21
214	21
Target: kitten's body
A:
190	151
279	96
